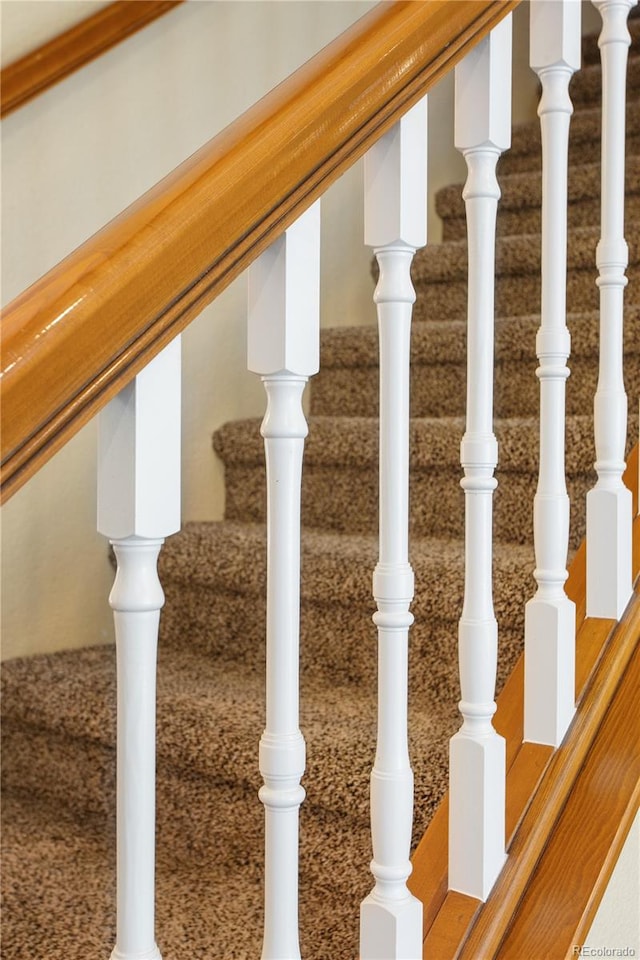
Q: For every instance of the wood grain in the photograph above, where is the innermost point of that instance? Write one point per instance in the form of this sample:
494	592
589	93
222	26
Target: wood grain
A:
560	903
77	336
34	73
539	820
527	766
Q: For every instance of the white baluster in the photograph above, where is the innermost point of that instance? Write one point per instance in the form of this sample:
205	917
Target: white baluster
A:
283	346
395	224
550	616
477	753
609	502
139	505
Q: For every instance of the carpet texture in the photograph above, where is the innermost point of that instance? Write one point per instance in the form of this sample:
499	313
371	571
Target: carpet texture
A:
59	710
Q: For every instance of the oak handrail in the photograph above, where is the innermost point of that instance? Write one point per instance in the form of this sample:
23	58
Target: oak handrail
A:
24	79
77	336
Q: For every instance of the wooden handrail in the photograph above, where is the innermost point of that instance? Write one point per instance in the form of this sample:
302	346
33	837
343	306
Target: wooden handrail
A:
38	70
77	336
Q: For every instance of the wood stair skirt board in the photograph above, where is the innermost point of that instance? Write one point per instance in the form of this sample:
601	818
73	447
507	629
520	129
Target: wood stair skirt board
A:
568	811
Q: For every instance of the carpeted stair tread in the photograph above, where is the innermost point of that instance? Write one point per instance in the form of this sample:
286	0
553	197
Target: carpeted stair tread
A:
200	913
586	85
591	50
434	442
211	716
515	255
521	198
440	275
346	500
337	567
584	141
230	816
348	377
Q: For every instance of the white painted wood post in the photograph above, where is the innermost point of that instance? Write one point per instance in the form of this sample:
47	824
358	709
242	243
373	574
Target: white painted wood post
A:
609	502
477	753
395	225
550	616
283	347
138	505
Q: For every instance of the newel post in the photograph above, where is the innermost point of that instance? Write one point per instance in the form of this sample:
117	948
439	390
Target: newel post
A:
477	753
609	502
550	617
395	225
138	506
283	347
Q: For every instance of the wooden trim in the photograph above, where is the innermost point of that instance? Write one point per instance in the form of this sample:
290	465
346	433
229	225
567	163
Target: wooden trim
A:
78	335
34	73
540	783
561	901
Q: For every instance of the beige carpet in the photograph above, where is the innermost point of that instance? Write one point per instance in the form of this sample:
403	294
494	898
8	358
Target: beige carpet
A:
58	711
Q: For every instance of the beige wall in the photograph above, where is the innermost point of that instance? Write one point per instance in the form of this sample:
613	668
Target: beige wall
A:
72	159
616	925
76	156
26	24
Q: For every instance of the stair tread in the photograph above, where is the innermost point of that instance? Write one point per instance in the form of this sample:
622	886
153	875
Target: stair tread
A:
517	255
211	716
585	130
521	190
434	442
445	342
591	51
200	913
586	85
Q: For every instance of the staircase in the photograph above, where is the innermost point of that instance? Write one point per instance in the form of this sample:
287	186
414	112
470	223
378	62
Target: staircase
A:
59	710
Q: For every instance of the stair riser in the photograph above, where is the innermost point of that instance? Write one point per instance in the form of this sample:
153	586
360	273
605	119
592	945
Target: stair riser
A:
440	391
229	827
586	86
353	661
64	774
516	295
591	50
348	502
584	146
528	219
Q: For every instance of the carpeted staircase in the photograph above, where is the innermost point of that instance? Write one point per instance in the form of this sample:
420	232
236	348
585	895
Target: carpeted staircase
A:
59	710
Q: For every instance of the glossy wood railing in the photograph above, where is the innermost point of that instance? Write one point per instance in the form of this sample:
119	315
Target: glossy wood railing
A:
74	339
40	69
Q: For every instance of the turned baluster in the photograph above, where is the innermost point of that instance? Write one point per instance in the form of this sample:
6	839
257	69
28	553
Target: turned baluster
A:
283	347
550	618
609	502
395	225
138	505
477	753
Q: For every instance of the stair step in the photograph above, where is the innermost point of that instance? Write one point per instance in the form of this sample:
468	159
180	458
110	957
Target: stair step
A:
346	499
204	559
212	910
519	209
591	51
440	275
585	88
584	141
210	718
347	383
